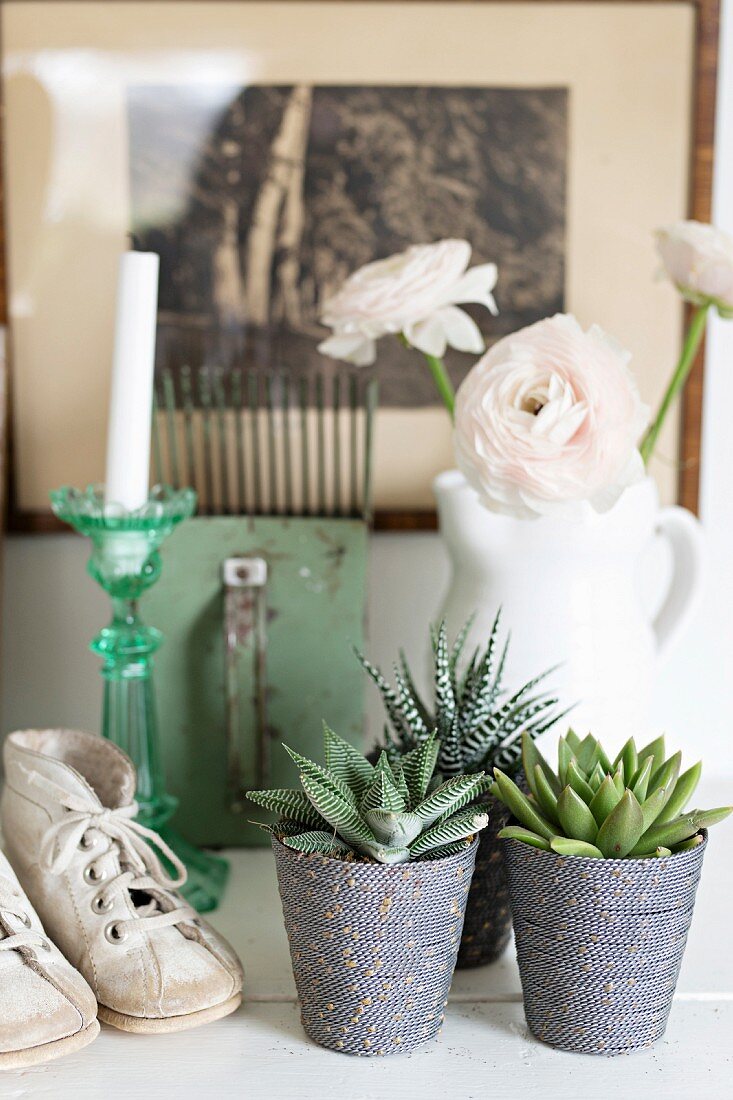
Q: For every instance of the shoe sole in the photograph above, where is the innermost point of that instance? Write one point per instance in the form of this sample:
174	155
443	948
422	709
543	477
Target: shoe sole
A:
46	1052
143	1025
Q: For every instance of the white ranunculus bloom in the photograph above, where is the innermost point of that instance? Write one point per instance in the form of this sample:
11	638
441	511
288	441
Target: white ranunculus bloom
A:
416	293
698	259
550	417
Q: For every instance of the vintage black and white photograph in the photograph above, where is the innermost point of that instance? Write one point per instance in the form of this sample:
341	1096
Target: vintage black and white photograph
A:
261	200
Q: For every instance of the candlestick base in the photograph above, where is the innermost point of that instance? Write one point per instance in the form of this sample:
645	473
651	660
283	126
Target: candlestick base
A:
125	562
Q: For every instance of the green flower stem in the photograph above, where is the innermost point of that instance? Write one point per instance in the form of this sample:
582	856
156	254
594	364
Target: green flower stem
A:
440	377
689	350
443	382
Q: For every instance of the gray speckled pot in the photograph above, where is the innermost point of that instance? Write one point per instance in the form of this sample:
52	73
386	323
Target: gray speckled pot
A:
488	923
599	944
373	947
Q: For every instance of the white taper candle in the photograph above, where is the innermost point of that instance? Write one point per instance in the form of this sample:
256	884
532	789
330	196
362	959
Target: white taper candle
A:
131	395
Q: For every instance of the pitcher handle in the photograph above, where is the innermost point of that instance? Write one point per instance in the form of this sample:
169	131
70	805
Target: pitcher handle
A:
684	533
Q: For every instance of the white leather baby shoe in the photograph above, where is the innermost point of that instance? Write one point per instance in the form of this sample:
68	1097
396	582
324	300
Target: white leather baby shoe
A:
46	1007
94	877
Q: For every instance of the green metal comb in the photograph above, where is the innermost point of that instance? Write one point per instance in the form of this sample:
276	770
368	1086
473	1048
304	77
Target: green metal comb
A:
263	595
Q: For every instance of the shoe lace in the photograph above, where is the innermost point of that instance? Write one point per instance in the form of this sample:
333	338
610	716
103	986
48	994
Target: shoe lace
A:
138	848
12	903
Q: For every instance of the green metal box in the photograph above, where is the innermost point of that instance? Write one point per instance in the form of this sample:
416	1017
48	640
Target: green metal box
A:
255	652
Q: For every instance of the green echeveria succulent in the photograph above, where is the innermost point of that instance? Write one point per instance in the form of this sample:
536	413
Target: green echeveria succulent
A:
631	808
388	812
477	727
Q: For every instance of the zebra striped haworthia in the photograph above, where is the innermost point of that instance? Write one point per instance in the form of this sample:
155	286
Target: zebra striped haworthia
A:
629	808
390	812
477	725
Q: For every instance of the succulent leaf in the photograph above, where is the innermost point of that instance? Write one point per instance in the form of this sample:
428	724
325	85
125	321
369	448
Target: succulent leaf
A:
683	791
586	752
323	775
669	833
345	763
395	830
444	697
516	832
629	757
451	757
292	805
411	714
446	850
656	750
692	842
666	775
399	781
449	797
575	816
327	843
460	640
418	767
382	794
340	813
652	805
565	756
573	740
389	699
533	758
579	783
564	846
600	758
596	777
640	782
545	796
382	854
520	806
416	696
622	828
604	800
391	748
465	823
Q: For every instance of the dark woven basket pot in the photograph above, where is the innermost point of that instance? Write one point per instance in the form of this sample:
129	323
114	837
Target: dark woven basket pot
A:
373	947
488	923
599	944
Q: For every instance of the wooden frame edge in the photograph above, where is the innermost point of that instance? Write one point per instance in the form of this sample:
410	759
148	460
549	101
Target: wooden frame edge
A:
702	152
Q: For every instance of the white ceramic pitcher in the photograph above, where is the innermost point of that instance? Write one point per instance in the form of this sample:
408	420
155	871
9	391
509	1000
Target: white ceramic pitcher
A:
570	592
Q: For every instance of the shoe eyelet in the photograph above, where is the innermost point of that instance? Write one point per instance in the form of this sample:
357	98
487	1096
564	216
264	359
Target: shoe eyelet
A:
93	875
45	946
101	904
114	935
24	919
87	843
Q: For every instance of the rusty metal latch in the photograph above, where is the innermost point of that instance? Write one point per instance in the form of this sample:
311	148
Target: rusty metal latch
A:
245	648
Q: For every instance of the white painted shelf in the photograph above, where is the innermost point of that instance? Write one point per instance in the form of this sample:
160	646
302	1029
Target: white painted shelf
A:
485	1051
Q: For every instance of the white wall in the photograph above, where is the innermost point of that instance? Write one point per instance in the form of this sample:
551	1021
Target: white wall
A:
51	608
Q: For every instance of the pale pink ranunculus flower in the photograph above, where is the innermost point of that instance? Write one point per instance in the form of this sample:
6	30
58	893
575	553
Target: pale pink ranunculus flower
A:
698	258
415	293
548	418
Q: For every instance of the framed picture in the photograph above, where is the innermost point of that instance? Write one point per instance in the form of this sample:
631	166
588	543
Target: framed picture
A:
266	149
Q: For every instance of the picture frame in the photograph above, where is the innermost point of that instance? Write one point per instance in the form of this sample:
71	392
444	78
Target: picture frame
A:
45	432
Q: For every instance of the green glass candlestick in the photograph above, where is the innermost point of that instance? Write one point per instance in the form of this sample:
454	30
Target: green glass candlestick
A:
125	562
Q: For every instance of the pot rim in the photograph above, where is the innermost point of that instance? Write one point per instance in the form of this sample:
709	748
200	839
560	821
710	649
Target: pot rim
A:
585	862
374	867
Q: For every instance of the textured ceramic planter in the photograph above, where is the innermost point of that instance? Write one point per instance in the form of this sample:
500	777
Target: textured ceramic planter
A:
599	944
488	922
373	947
